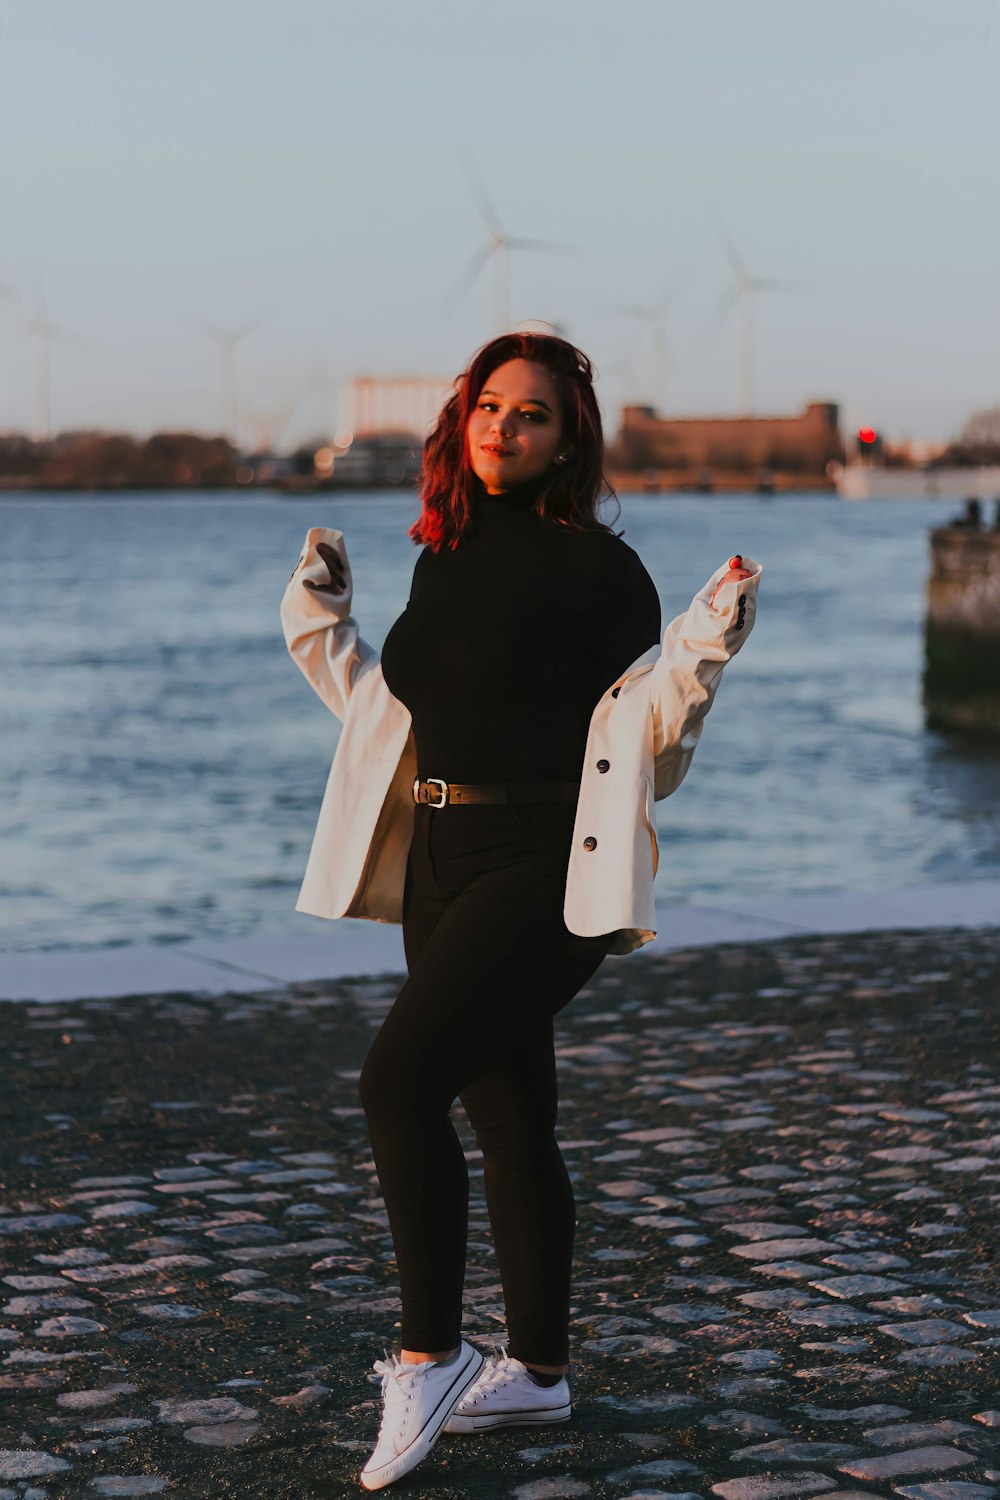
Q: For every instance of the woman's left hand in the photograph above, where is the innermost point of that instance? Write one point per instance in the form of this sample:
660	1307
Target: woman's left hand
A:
736	570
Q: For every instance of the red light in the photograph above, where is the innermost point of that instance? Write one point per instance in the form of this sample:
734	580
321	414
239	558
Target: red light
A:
867	434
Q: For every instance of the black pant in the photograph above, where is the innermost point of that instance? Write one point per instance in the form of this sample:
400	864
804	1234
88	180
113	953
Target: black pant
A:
490	962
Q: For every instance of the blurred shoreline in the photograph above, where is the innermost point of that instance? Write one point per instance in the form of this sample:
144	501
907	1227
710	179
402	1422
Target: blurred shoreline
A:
355	948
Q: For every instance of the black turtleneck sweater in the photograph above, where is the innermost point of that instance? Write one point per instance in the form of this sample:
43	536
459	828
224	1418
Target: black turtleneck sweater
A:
509	640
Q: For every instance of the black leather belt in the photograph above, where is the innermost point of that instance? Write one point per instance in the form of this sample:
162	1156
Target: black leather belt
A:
437	793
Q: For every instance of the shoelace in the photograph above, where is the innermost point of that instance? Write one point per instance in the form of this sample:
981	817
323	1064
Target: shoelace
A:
497	1370
398	1382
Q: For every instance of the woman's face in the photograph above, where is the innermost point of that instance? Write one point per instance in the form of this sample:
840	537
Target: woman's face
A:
514	431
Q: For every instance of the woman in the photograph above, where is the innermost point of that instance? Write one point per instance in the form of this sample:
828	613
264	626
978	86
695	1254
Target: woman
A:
470	773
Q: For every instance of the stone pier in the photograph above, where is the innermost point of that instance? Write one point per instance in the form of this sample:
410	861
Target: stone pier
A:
962	632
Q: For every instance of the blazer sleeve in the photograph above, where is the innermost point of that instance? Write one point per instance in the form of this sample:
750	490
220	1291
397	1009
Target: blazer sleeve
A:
320	632
685	677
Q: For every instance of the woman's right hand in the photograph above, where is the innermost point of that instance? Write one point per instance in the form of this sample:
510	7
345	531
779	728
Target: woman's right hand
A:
736	570
338	578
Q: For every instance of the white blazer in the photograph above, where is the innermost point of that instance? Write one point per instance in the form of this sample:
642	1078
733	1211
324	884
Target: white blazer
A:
642	735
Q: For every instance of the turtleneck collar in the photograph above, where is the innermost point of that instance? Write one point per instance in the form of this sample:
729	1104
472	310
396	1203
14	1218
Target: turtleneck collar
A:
517	497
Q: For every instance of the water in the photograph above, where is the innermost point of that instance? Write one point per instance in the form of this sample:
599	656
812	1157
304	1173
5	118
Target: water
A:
162	759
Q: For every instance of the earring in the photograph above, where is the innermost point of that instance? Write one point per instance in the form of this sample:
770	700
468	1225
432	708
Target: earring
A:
560	458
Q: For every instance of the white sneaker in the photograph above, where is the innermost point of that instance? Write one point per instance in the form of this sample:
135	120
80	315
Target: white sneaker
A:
506	1396
417	1400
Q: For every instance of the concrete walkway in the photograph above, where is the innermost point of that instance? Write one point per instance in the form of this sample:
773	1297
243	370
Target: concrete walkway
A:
785	1163
348	948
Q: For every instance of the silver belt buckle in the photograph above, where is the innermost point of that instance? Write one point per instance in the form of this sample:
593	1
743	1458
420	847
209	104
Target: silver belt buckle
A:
435	781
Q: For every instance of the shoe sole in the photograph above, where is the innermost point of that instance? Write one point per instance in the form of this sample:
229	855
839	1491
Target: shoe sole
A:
525	1418
465	1378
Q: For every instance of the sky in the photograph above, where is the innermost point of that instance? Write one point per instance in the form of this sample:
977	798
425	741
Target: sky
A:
306	169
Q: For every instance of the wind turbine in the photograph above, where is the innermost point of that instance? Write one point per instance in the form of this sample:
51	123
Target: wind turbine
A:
269	423
9	293
740	295
496	247
43	331
655	319
621	371
227	339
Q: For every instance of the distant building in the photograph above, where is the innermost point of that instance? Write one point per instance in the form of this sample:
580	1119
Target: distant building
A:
390	419
264	467
380	460
696	449
397	403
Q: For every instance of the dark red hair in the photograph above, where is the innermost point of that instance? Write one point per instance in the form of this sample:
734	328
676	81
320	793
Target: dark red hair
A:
447	479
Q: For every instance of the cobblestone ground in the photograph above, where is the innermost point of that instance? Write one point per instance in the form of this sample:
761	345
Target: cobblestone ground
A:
787	1167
